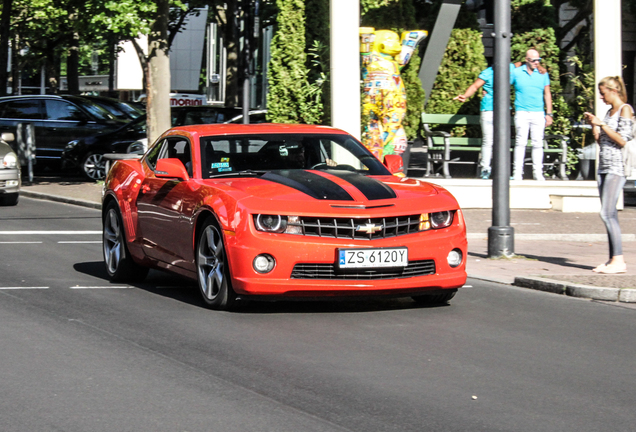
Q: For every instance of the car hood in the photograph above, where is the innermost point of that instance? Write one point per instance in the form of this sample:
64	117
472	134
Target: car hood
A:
293	190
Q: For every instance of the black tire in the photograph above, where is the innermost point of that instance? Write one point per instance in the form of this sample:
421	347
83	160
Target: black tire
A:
213	273
10	199
94	166
119	264
437	298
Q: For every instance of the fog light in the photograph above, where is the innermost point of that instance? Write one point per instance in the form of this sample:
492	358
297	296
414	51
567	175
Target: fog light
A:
264	263
454	258
11	183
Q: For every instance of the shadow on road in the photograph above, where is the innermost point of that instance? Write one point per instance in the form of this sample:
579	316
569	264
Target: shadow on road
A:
560	261
187	291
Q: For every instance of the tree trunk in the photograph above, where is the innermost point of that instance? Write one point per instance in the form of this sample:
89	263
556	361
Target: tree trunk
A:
5	24
158	95
231	38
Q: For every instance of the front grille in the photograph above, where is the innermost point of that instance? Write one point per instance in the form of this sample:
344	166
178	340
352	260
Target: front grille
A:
328	271
349	227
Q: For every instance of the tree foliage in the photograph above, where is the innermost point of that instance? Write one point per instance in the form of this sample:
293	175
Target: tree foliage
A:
463	61
291	98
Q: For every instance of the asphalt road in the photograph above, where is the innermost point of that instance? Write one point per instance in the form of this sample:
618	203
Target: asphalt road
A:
80	354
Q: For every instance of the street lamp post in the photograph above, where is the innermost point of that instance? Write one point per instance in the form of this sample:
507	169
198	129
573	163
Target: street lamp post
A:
501	234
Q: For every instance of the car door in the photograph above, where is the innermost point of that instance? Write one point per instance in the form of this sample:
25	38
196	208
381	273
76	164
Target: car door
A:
165	224
64	122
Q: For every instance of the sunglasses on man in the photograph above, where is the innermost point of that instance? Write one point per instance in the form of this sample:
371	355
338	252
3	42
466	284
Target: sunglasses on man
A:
533	60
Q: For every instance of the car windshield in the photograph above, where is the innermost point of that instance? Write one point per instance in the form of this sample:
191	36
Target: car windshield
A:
121	110
131	110
96	110
227	155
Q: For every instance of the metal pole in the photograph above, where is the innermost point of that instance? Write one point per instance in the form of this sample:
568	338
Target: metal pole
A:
246	61
501	234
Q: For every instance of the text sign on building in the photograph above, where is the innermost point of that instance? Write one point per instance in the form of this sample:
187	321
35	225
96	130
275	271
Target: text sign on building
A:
187	100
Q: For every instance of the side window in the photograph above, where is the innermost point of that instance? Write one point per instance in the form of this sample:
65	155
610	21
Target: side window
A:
180	148
21	109
172	147
62	110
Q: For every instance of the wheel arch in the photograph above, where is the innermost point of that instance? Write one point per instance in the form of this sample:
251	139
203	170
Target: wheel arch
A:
201	217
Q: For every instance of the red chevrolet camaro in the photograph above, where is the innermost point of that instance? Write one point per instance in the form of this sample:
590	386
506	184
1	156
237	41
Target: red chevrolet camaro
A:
280	211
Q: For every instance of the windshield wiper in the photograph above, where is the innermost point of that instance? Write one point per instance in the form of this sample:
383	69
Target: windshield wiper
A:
238	173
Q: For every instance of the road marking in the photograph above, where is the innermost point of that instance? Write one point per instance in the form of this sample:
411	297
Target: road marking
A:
21	288
24	242
50	232
80	242
102	287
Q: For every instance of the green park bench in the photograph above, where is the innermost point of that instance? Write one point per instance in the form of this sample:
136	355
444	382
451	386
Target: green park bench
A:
443	148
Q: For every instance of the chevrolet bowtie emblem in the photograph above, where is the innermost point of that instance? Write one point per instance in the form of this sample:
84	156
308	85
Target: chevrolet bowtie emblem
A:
369	228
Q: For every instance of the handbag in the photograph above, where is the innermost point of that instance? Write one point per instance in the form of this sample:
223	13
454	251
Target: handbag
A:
629	150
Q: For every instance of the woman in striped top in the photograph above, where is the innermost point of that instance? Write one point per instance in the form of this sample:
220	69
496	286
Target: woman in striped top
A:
612	133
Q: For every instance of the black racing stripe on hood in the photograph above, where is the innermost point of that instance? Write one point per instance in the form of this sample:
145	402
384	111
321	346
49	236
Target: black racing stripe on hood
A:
309	183
370	187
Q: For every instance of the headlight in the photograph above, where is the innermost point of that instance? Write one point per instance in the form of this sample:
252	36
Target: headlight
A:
271	223
441	219
278	224
436	220
10	160
71	145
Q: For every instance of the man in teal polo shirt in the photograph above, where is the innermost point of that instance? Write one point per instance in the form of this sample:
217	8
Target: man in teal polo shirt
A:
532	95
486	80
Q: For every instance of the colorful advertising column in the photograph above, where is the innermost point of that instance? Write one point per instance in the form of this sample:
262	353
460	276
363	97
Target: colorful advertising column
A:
384	55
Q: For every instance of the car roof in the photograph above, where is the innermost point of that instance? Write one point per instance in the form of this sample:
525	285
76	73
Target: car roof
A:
256	128
72	98
44	96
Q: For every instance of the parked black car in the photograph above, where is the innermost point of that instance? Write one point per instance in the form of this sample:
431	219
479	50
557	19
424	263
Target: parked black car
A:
56	120
87	153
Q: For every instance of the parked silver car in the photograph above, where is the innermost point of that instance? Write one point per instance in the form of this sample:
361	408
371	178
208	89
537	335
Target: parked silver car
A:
9	172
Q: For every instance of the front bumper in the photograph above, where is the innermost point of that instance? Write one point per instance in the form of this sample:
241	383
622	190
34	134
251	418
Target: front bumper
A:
10	181
289	250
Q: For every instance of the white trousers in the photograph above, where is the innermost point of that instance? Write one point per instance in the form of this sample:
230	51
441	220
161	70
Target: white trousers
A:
487	133
533	123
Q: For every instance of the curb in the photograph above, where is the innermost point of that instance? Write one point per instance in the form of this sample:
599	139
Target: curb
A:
57	198
624	295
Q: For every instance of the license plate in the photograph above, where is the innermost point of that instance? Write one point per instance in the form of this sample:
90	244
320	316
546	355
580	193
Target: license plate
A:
373	257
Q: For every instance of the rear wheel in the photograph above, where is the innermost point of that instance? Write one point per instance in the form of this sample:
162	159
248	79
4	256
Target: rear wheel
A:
213	273
94	166
119	264
436	298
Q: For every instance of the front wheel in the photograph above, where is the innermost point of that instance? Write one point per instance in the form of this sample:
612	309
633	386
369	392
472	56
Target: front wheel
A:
119	264
213	273
94	166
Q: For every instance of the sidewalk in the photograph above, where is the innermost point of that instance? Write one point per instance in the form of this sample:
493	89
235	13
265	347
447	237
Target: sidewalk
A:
554	251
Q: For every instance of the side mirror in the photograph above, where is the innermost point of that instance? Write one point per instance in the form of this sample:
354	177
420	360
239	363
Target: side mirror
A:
171	168
7	136
394	164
